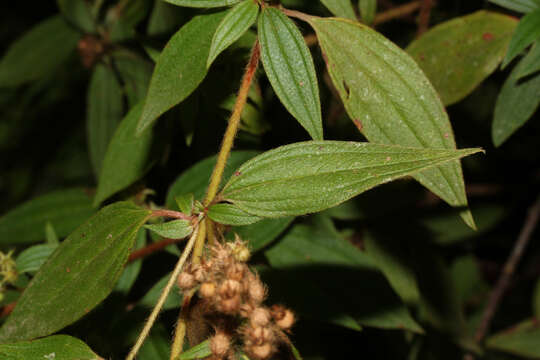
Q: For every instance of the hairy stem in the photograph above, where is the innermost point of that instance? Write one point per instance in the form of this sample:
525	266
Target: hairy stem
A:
234	123
504	280
397	12
171	214
163	296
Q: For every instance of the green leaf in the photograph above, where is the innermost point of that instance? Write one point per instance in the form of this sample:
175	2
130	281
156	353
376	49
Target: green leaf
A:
126	159
157	345
135	73
176	229
238	20
64	209
227	214
38	52
51	237
527	31
459	54
311	176
290	69
181	67
197	352
57	347
521	340
368	10
314	263
516	103
393	258
203	3
390	99
31	259
105	110
531	62
524	6
78	276
341	8
165	18
448	230
185	203
262	233
195	179
132	270
174	300
78	13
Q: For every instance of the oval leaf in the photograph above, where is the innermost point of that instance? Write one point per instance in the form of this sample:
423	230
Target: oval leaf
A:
531	62
78	13
38	52
65	210
238	20
521	339
203	3
31	259
527	31
135	73
290	69
524	6
78	276
459	54
516	103
341	8
126	159
390	99
176	229
197	352
312	176
310	259
227	214
57	347
105	110
181	67
368	10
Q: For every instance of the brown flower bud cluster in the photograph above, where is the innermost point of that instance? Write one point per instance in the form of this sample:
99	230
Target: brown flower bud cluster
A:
233	294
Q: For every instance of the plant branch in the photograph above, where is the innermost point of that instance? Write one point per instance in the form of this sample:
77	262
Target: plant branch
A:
171	214
504	280
234	123
152	248
397	12
423	17
163	296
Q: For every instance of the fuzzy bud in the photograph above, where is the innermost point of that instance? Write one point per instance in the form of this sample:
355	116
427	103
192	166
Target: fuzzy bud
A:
246	309
207	290
260	317
287	320
229	288
236	271
186	281
239	250
199	273
260	352
220	345
229	305
256	290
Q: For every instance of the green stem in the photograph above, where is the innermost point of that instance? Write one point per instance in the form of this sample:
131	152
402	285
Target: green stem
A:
164	294
234	123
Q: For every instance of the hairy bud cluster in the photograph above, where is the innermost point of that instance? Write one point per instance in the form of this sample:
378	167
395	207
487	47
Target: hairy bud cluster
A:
232	293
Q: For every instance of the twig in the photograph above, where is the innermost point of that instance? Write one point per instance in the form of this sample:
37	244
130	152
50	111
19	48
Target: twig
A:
234	122
163	296
152	248
423	17
509	268
171	214
397	12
